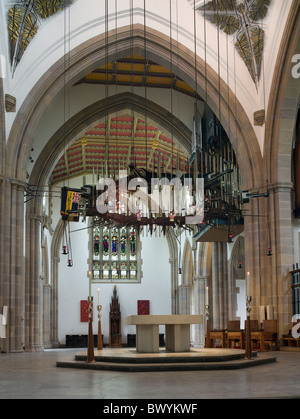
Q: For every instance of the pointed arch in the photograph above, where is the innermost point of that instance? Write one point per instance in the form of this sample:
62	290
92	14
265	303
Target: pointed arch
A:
92	54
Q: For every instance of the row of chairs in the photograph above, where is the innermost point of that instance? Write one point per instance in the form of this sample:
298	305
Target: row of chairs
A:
260	336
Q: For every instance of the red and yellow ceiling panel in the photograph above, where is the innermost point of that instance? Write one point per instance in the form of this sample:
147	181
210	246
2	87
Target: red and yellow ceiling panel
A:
115	144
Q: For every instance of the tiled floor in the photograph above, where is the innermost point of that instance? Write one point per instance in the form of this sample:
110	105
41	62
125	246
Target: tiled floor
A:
35	376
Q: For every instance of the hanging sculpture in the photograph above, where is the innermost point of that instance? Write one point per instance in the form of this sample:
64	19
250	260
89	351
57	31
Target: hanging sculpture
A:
242	19
23	23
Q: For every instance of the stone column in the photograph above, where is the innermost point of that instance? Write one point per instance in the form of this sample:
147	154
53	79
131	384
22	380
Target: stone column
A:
173	260
5	211
271	218
184	299
3	285
255	244
54	302
174	284
33	286
2	259
279	281
199	330
46	316
219	306
15	264
214	309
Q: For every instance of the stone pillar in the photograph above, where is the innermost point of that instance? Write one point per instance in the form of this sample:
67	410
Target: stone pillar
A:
255	244
46	316
270	277
13	275
2	259
278	291
54	302
4	288
199	330
184	299
174	285
33	286
219	297
214	310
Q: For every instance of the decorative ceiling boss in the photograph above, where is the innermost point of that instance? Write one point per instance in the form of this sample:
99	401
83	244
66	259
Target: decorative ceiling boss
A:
23	23
244	20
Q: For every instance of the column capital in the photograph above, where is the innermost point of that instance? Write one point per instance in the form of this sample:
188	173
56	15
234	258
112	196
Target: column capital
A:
200	278
281	187
36	217
17	183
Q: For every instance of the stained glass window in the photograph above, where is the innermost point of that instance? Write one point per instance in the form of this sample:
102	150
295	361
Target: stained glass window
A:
105	244
96	269
123	243
114	244
115	253
132	243
96	243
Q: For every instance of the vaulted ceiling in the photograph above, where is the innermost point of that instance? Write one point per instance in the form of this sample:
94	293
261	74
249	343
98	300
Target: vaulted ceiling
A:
114	144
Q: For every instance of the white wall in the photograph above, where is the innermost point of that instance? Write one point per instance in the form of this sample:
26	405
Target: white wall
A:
73	287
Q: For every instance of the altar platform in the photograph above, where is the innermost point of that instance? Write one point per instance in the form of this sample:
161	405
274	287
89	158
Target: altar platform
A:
129	360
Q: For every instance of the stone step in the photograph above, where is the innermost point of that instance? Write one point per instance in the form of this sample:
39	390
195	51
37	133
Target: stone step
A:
149	359
229	364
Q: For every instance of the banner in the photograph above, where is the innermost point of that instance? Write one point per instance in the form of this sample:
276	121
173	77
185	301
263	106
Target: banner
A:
69	205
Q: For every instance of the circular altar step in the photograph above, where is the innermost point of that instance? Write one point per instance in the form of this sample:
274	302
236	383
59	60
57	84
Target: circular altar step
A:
128	360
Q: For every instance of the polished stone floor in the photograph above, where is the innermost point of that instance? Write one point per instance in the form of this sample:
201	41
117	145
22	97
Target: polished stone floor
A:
35	376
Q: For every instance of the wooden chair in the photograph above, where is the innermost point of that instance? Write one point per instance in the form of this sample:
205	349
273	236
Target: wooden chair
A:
270	333
289	340
257	334
219	335
235	333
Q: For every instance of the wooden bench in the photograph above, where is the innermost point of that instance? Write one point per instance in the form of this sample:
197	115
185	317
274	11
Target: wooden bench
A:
289	340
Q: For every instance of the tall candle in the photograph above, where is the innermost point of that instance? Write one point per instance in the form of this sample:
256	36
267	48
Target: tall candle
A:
98	296
90	284
206	297
248	284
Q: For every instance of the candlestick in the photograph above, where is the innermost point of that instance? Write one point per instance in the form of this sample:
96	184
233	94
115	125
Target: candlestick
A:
90	351
248	350
207	339
99	342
